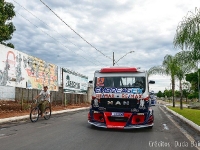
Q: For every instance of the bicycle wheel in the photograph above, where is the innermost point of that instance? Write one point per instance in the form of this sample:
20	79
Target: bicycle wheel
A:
47	113
34	115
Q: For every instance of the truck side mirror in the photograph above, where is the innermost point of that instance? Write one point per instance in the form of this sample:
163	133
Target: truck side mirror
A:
151	82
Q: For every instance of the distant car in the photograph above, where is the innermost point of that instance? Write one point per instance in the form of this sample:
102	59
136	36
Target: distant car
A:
153	102
152	98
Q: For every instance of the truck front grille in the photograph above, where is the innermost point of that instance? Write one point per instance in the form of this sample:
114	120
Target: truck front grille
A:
118	103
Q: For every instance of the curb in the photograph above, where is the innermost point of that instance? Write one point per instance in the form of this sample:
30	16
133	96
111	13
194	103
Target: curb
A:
4	120
189	122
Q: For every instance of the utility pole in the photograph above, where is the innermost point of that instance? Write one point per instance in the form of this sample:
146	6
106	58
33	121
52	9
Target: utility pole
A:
113	59
114	62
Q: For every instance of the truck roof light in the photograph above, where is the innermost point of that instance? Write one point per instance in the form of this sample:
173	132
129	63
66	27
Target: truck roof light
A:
118	69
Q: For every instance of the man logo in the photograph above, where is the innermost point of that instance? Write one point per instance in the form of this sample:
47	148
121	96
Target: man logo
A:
110	102
118	103
125	102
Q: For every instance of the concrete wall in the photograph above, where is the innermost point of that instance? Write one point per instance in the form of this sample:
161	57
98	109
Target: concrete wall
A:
7	93
57	97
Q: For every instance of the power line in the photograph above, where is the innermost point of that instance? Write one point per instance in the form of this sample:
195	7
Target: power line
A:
55	30
74	30
54	38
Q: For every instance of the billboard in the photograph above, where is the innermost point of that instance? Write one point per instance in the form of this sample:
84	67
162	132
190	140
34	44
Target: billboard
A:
18	69
74	82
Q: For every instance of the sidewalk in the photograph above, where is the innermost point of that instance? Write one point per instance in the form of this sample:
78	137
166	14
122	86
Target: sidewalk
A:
170	104
10	119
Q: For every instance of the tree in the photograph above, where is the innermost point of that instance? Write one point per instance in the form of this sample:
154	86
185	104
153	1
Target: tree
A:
188	33
188	36
168	67
159	94
183	67
177	93
192	78
6	26
167	93
186	89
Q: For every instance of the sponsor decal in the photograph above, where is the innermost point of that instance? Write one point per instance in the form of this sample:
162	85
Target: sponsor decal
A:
134	110
96	104
118	90
117	114
111	95
140	114
141	106
100	81
98	96
137	96
102	108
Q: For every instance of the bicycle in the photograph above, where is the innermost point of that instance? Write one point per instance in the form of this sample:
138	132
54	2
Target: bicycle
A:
36	112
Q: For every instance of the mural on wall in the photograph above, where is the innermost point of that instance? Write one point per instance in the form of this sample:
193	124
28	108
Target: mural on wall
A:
41	73
10	68
74	82
21	70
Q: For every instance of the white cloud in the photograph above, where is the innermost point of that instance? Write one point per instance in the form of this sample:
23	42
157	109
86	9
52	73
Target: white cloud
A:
147	27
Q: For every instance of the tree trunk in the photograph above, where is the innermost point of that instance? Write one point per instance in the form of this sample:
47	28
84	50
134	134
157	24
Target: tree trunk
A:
173	89
181	100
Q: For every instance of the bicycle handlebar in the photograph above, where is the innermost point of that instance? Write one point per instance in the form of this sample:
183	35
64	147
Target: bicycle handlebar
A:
35	100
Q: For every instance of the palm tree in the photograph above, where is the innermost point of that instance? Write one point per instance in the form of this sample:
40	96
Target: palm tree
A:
188	36
183	68
188	33
168	67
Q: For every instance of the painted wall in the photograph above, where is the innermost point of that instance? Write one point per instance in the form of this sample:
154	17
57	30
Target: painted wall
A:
18	69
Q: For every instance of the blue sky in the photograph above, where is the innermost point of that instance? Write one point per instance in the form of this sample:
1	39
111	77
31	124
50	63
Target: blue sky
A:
146	27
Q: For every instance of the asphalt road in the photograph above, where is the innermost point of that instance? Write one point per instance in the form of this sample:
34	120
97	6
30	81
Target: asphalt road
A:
70	131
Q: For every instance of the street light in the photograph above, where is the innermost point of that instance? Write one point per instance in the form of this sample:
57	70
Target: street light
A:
114	62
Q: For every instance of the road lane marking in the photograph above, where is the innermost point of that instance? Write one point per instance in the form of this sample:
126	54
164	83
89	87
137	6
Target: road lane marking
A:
165	127
190	138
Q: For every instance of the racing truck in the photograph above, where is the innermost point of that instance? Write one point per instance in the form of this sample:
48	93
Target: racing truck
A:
120	99
152	98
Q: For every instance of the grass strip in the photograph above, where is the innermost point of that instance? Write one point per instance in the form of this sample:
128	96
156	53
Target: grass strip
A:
191	114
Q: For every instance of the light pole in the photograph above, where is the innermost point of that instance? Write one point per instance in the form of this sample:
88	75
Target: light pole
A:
114	62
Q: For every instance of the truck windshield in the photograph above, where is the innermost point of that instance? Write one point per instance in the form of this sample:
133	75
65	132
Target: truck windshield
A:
121	82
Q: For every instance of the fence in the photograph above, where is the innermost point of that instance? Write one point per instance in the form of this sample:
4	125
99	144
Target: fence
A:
57	97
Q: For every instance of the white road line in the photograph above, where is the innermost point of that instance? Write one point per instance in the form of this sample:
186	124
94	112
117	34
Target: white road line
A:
165	127
190	138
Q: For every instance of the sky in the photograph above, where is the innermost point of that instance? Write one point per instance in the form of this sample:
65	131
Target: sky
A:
82	35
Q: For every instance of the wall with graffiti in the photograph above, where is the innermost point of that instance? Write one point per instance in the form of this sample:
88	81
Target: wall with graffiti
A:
18	69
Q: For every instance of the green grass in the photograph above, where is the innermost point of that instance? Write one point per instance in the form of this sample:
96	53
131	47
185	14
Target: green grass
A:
191	114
